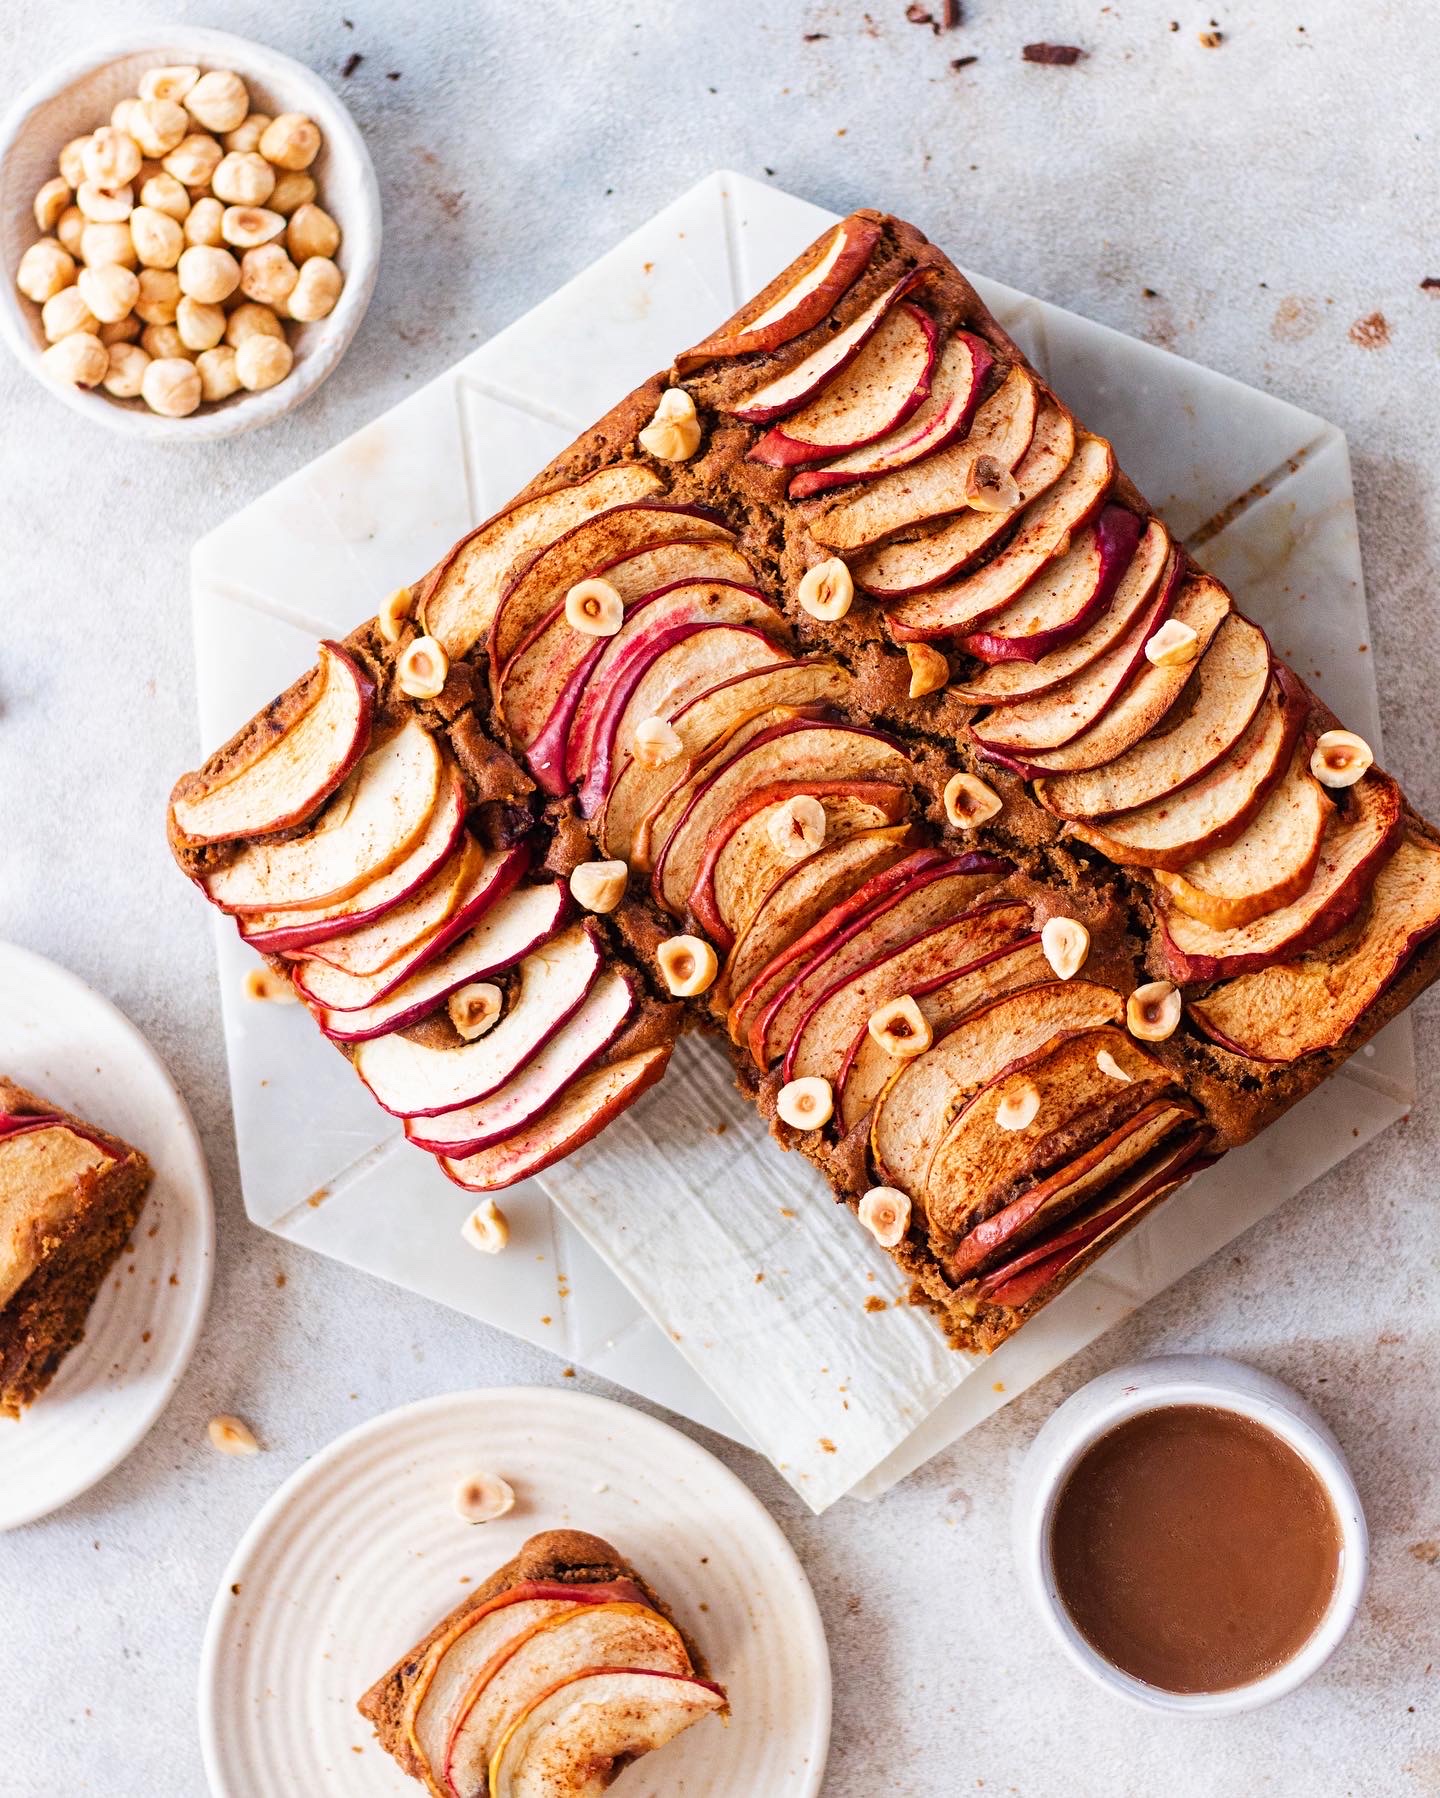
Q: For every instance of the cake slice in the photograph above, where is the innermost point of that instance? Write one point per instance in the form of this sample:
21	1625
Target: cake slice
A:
69	1198
546	1682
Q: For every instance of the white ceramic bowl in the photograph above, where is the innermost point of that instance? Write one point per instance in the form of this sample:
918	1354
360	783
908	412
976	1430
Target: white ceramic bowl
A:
76	98
1146	1386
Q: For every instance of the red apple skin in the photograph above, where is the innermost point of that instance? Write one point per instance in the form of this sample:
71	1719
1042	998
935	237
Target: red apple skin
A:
24	1123
1118	534
546	755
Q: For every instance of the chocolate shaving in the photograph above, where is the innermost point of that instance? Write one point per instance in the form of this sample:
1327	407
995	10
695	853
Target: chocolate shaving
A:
963	62
920	15
1431	284
954	15
352	62
1058	55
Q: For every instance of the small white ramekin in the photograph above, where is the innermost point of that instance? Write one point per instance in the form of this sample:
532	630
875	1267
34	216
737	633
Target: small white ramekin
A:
77	97
1184	1380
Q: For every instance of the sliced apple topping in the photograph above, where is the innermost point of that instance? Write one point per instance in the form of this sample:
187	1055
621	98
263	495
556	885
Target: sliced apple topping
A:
1066	943
805	1104
1064	597
885	1213
1341	758
688	965
969	802
367	948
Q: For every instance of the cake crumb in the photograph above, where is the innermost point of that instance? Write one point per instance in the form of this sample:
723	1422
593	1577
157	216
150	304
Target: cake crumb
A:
827	1445
876	1303
1371	332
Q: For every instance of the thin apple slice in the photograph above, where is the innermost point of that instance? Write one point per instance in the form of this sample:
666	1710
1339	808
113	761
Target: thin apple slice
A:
1002	428
1210	812
42	1159
956	384
412	1079
372	823
1064	597
1128	714
581	1112
1059	714
796	300
555	1650
803	750
1011	682
490	879
873	397
286	780
510	928
1357	844
456	601
941	552
943	1000
1299	1008
827	1029
1042	533
923	1096
577	1045
371	947
595	548
788	391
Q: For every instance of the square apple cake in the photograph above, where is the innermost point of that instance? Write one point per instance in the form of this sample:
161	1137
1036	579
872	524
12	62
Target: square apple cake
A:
69	1198
837	695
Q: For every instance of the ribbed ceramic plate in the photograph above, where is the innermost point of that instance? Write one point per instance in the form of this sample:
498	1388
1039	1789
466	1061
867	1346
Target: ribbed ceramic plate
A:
360	1552
64	1042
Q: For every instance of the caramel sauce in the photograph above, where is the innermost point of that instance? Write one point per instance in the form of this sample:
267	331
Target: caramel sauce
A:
1194	1549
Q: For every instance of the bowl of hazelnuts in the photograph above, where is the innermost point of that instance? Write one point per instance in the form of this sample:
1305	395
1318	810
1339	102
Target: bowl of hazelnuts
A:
190	231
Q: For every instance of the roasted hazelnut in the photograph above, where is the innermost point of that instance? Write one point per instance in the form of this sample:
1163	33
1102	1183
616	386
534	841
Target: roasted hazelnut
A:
160	341
673	434
969	802
219	100
107	243
263	362
171	385
594	608
247	227
688	965
50	202
929	670
291	141
1340	758
201	326
158	238
110	291
421	670
159	296
218	375
78	358
243	178
1152	1012
1111	1068
247	134
72	163
396	607
157	125
656	742
65	312
885	1213
311	232
207	273
806	1104
990	486
232	1436
484	1496
70	229
901	1029
1018	1105
45	270
267	274
172	81
163	193
1172	645
194	159
203	222
1066	944
314	295
292	191
475	1008
126	374
827	590
599	886
110	158
105	205
250	319
797	828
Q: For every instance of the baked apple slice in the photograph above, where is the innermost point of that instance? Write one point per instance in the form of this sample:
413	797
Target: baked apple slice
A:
1064	597
1211	812
456	601
569	1743
1001	429
283	779
412	1079
1357	844
581	1112
508	929
369	826
1299	1008
576	1046
795	301
874	396
1042	532
956	384
370	947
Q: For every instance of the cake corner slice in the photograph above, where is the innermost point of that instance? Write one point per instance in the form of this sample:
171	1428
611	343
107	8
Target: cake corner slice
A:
551	1676
70	1194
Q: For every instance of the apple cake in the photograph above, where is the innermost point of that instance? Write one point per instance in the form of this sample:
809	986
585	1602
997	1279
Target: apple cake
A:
838	695
69	1198
551	1677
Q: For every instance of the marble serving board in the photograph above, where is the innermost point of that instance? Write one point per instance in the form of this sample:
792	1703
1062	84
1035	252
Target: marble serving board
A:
635	1270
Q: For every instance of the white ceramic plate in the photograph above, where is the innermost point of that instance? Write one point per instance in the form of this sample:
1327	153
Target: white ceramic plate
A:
360	1552
64	1042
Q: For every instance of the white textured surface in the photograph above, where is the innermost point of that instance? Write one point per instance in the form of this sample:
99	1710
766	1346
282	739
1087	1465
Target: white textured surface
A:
1304	161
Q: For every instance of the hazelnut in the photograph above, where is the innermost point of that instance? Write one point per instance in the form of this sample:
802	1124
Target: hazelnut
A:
218	377
70	228
797	828
1019	1105
163	193
969	803
1152	1012
475	1008
656	741
312	232
218	100
250	319
396	607
421	670
105	205
315	293
1173	645
50	202
110	291
290	141
487	1228
806	1104
157	125
232	1436
247	134
79	358
1340	758
901	1029
172	81
157	237
194	160
1065	943
688	965
673	434
599	886
243	178
122	113
1111	1068
929	670
263	362
264	984
124	330
163	340
171	385
292	191
110	158
200	326
827	590
65	312
267	274
885	1213
72	162
246	227
45	270
159	296
203	221
990	486
207	273
594	608
485	1496
107	243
